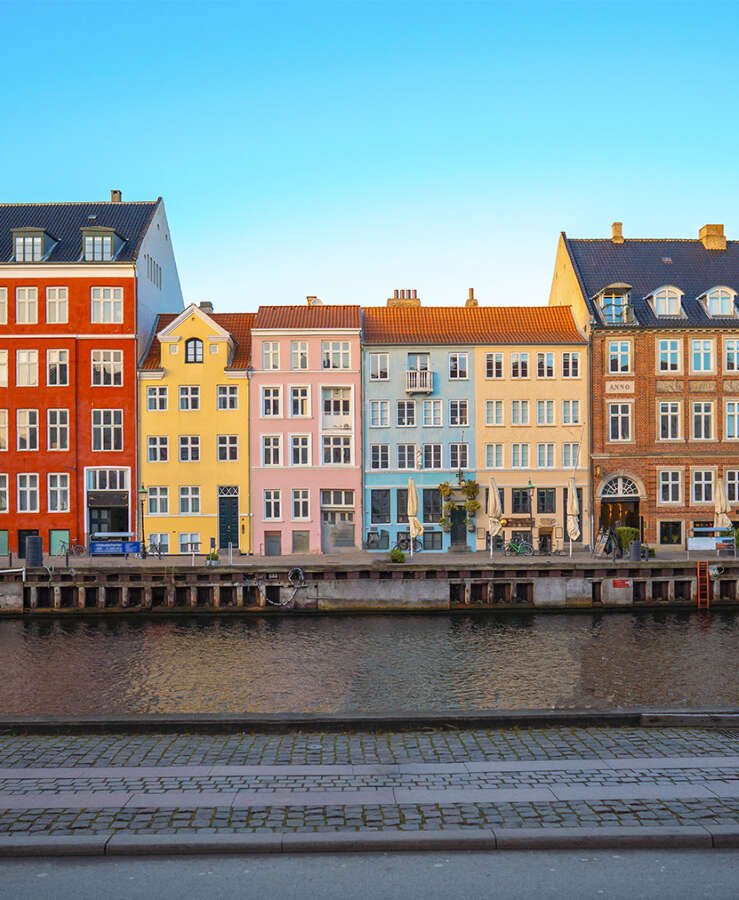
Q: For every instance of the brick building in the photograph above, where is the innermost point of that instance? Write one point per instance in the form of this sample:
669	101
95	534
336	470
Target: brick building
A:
663	323
80	286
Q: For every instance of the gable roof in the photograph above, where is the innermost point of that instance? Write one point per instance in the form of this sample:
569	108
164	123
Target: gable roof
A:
238	325
639	263
308	317
64	221
470	325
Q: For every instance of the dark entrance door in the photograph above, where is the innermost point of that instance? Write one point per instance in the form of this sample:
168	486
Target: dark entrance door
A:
228	518
272	543
619	512
459	528
22	535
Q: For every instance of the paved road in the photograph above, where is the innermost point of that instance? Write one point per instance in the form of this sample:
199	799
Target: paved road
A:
630	875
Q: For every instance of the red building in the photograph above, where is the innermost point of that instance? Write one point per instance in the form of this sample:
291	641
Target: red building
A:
80	287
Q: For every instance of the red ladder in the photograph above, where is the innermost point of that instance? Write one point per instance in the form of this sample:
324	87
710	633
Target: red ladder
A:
703	585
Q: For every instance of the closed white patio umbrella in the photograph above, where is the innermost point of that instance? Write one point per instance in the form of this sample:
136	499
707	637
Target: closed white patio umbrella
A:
573	511
721	507
494	512
414	525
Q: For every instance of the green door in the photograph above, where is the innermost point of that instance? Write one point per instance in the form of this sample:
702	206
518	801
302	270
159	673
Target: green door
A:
3	543
56	537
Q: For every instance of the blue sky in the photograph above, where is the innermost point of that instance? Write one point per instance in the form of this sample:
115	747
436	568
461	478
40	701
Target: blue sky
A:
345	150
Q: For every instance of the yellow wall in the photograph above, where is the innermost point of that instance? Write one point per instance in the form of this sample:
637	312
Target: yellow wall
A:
565	289
208	422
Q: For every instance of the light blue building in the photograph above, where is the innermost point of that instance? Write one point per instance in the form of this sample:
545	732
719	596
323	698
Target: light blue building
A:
419	421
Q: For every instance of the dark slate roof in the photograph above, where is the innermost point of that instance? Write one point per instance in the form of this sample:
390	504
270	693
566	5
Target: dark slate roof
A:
63	222
694	270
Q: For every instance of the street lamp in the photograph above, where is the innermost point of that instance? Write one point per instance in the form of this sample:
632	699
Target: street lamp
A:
142	502
530	490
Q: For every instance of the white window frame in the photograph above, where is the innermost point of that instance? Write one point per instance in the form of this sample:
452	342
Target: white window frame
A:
188	499
4	493
403	420
336	354
668	485
667	302
301	443
406	456
57	489
3	368
732	485
157	501
520	413
27	483
293	388
106	364
379	414
624	415
545	458
57	305
272	447
459	413
299	352
545	412
58	358
731	354
494	413
4	430
462	451
571	412
227	447
30	429
570	454
731	420
520	365
721	293
494	366
188	542
695	482
459	366
26	368
376	366
699	347
433	406
495	456
271	356
617	350
520	455
26	306
3	306
155	444
106	305
227	396
271	401
379	457
112	430
157	395
673	410
272	504
333	441
300	496
571	364
432	452
61	426
545	361
669	352
706	410
186	443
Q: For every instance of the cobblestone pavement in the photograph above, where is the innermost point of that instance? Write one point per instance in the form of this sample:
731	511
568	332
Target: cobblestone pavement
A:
357	748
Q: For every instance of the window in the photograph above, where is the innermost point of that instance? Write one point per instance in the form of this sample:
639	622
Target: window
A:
545	456
189	447
702	421
334	354
432	417
57	496
545	365
300	450
299	402
156	398
615	307
619	421
432	456
519	365
107	306
193	350
432	540
519	412
337	498
570	412
189	542
26	368
702	355
702	485
379	456
493	412
457	366
3	306
669	486
402	505
189	500
667	302
337	451
157	501
159	542
670	532
669	356
732	485
731	428
270	355
3	368
731	359
29	248
26	305
570	455
28	493
107	429
272	450
298	354
720	302
107	368
418	362
336	401
3	429
157	448
379	367
669	421
57	367
619	356
107	480
98	247
519	456
431	504
57	429
406	413
406	456
56	305
494	456
545	412
520	501
570	365
272	504
546	500
27	429
301	503
228	447
379	507
3	493
493	365
227	396
271	401
379	413
458	413
459	456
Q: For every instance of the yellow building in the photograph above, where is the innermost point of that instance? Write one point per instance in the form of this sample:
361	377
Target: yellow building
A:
531	398
194	431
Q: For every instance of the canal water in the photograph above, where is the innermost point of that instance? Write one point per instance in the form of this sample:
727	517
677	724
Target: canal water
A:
368	663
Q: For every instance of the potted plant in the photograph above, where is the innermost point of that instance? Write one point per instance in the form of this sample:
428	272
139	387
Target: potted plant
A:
470	488
445	489
446	523
397	555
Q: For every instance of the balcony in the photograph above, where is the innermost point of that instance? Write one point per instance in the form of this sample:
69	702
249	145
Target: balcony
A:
419	381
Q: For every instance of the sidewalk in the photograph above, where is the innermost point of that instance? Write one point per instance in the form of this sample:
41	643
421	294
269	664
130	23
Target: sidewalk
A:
467	789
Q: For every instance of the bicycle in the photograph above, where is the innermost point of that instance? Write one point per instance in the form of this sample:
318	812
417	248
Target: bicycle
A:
404	544
518	548
73	549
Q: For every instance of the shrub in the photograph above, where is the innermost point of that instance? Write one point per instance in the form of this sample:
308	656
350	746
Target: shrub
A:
397	555
625	536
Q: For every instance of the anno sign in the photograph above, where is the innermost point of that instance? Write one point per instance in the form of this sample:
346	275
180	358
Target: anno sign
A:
619	387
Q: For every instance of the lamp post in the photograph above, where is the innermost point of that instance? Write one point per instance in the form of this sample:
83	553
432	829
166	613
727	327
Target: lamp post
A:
530	490
142	502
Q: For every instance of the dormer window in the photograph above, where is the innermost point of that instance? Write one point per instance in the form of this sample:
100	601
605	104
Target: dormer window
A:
720	302
31	244
614	304
100	244
667	301
194	351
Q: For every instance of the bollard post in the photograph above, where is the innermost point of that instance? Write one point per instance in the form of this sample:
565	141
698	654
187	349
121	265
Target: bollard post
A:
230	553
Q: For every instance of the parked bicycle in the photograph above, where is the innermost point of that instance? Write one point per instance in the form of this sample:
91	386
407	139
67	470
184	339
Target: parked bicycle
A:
404	543
73	548
518	548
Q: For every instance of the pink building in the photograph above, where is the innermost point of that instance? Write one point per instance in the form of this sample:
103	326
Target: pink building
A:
305	428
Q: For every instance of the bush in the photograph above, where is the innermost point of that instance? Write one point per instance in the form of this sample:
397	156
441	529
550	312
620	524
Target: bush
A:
397	555
625	536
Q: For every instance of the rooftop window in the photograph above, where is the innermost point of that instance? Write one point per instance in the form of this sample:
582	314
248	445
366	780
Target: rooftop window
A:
667	301
31	244
614	302
99	244
719	302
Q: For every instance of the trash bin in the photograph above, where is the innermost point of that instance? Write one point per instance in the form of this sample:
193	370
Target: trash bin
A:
635	551
34	550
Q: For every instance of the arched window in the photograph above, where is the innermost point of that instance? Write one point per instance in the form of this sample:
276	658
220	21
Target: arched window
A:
620	487
667	301
720	302
194	351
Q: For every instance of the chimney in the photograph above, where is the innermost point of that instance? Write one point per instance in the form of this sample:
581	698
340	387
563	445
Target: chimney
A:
314	301
471	301
712	237
617	232
115	196
404	298
206	306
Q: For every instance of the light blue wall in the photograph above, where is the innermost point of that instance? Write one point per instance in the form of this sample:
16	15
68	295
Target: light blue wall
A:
444	389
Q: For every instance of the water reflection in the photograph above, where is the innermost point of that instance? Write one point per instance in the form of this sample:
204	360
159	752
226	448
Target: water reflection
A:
367	663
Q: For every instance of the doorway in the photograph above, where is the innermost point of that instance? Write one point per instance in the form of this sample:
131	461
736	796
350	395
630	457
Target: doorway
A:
459	528
614	513
108	519
228	517
273	543
22	535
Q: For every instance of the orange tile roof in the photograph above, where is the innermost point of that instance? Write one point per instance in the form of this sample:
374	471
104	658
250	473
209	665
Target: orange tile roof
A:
238	325
308	317
470	325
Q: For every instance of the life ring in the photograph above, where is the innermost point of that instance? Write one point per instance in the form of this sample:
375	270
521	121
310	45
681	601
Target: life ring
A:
296	577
